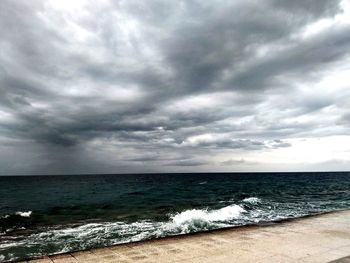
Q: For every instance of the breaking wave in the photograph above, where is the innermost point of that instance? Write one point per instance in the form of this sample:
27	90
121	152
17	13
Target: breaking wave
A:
204	219
109	233
17	221
67	238
219	215
18	213
24	214
252	200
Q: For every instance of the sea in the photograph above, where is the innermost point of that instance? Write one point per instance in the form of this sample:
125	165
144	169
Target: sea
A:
42	215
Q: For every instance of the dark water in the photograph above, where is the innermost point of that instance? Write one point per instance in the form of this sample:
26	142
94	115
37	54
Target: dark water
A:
44	215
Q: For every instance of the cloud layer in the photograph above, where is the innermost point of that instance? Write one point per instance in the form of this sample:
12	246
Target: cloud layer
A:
167	86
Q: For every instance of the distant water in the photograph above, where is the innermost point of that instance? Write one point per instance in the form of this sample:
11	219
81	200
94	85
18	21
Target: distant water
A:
50	214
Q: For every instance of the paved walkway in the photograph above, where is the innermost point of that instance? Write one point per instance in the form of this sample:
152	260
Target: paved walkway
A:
342	260
314	239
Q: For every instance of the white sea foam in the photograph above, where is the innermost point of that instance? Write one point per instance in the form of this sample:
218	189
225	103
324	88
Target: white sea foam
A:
252	200
107	233
219	215
24	214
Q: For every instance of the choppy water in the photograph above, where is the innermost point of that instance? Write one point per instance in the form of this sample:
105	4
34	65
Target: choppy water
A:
45	215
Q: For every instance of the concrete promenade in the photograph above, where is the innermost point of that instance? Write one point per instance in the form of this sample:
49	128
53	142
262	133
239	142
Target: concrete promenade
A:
323	238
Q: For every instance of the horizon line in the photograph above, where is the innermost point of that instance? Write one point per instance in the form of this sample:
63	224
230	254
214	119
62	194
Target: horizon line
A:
171	173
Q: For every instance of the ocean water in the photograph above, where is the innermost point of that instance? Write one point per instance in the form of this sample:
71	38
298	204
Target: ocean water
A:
50	214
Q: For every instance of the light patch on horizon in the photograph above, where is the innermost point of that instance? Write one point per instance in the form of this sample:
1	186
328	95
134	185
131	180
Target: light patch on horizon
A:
306	151
128	86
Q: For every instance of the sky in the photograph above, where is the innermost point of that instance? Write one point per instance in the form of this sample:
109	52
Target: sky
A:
174	86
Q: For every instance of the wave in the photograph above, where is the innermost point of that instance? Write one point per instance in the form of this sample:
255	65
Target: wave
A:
67	238
91	235
17	221
24	214
252	200
219	215
204	219
18	213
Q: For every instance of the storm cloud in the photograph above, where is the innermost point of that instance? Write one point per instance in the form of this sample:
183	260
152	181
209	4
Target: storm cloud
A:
172	86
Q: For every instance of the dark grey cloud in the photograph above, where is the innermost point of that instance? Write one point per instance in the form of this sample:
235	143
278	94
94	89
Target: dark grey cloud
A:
280	144
344	119
231	162
187	163
129	86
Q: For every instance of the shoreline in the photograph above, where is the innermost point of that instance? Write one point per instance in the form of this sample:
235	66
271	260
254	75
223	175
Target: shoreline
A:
246	242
